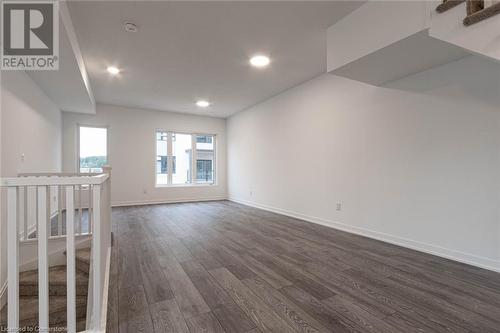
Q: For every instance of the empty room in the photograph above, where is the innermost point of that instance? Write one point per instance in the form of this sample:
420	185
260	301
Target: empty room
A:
250	166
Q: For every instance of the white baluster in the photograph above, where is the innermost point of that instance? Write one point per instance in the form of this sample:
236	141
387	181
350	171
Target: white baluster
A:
80	209
36	212
25	212
96	257
59	211
70	260
13	260
43	264
89	212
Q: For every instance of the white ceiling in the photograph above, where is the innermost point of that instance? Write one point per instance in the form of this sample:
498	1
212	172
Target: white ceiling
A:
186	51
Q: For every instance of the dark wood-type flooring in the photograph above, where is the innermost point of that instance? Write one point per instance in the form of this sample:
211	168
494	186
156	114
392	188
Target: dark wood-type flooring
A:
225	267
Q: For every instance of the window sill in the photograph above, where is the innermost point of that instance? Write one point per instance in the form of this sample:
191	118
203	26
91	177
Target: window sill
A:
183	185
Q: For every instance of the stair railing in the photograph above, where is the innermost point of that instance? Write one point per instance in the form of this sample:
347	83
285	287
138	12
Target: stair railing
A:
99	212
28	199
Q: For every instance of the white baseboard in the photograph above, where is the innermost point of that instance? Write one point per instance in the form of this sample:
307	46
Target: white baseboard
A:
159	202
467	258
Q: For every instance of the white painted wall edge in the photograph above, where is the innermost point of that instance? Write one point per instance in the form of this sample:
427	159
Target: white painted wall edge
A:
104	310
159	202
71	33
467	258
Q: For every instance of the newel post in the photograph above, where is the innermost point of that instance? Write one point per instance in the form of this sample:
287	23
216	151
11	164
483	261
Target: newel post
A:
101	240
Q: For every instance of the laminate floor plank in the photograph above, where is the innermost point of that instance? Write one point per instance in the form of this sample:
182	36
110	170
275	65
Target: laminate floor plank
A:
362	318
200	254
224	267
189	299
133	312
205	323
179	250
284	307
298	277
167	317
420	309
232	318
270	276
208	287
359	293
263	316
234	265
319	311
155	282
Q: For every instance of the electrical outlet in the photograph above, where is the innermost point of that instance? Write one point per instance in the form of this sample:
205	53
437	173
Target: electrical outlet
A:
144	191
251	193
339	206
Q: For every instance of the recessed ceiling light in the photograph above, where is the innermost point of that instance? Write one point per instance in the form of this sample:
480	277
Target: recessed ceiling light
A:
113	70
259	61
203	104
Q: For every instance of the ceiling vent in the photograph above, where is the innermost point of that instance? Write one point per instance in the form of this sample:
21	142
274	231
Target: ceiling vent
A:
131	27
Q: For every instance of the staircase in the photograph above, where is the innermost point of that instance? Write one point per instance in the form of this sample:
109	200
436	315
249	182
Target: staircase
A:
55	297
28	296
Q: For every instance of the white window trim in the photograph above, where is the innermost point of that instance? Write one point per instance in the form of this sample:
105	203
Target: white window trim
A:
78	125
193	160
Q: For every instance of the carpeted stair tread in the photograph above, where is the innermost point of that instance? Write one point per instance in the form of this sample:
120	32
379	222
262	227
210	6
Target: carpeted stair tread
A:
28	311
83	255
82	258
28	292
28	282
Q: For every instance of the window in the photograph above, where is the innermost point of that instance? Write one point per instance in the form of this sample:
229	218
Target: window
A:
182	154
92	149
161	158
203	139
183	158
203	170
204	159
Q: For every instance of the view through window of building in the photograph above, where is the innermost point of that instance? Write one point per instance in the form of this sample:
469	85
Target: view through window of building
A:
204	159
93	149
161	158
182	153
183	158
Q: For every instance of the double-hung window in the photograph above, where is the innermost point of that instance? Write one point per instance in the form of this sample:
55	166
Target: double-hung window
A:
184	158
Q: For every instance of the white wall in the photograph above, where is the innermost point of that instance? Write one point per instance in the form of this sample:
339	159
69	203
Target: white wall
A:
30	125
132	145
416	163
373	26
